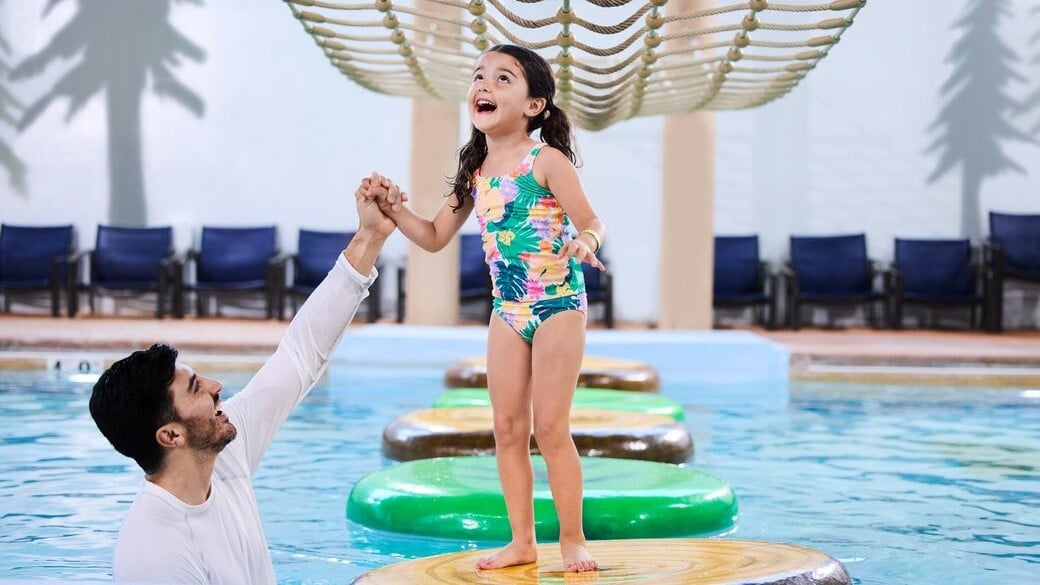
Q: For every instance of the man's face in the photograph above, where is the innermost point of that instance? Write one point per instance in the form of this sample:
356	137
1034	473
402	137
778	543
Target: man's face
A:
196	400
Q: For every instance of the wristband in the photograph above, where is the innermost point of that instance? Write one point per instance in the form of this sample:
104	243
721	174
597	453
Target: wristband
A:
595	236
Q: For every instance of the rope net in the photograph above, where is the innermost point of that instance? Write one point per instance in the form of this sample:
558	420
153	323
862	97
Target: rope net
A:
613	59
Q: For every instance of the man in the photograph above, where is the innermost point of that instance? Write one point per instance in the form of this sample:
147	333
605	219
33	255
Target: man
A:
195	518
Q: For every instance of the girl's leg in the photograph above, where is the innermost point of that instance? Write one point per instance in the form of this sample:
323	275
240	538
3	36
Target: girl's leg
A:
509	374
557	350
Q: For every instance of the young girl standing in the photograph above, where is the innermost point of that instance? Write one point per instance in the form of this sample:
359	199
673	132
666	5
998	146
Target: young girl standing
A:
537	225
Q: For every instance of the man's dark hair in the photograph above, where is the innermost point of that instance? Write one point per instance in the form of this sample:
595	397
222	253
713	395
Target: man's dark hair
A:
132	399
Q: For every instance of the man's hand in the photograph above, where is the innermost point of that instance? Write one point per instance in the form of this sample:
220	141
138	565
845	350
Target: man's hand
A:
370	218
385	192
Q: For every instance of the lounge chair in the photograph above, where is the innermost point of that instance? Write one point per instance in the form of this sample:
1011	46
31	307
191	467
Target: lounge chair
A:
34	259
742	279
126	262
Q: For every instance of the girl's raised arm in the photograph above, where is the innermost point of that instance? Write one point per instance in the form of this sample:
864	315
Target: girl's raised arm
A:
430	235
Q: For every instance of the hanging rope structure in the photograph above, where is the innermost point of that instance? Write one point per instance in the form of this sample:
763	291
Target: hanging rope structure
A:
613	59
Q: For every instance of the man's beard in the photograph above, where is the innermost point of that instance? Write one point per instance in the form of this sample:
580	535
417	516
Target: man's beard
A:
209	434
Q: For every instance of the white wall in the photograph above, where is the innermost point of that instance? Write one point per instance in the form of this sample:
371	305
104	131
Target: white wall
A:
285	138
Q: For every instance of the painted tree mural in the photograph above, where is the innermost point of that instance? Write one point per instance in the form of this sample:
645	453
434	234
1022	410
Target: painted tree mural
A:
1032	102
973	122
123	45
9	107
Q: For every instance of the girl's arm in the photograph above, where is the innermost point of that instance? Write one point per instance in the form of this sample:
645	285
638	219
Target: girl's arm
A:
430	235
554	170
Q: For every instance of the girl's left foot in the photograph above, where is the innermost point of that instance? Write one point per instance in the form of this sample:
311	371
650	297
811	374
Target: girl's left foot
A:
576	558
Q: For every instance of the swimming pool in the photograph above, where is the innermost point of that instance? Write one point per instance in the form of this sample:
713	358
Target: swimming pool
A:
904	485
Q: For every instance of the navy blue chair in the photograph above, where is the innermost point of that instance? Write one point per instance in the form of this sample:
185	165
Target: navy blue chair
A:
933	273
742	279
829	271
316	254
233	261
599	288
34	259
474	277
125	262
1012	252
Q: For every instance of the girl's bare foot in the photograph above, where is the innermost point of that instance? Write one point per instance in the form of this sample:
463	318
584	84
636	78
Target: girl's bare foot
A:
514	553
576	558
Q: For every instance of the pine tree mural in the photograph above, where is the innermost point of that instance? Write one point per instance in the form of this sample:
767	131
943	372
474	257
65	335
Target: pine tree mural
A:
125	44
973	122
1032	102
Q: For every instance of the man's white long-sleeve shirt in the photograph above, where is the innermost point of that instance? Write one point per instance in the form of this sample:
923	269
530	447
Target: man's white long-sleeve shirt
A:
221	541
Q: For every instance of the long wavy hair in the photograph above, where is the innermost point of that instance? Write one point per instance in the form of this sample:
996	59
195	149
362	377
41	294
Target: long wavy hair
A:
553	122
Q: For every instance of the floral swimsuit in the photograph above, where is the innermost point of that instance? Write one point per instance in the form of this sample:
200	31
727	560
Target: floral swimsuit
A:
523	227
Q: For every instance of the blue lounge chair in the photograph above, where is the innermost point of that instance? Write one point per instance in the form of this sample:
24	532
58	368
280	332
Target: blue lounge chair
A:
34	259
742	279
126	262
599	288
316	253
829	271
933	273
1012	252
234	261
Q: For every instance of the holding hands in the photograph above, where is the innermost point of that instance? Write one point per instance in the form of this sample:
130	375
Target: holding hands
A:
383	192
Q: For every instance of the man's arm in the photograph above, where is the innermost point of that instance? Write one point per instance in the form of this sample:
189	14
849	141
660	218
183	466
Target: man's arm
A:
363	250
303	354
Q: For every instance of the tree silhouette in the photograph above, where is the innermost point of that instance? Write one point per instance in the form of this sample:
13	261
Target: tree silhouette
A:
8	105
124	44
1033	99
973	122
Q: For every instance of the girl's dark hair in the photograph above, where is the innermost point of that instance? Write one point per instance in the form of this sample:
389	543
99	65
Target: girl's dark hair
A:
553	122
132	399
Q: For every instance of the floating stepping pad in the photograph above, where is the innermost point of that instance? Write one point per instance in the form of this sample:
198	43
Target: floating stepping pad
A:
597	432
583	398
645	562
596	372
460	497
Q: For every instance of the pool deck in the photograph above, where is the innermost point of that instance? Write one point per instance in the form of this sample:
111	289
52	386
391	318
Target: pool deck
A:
964	357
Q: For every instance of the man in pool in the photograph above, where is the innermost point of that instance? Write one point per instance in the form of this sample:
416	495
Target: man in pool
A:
195	518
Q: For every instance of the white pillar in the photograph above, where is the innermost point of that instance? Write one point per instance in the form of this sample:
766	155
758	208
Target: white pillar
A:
687	211
432	280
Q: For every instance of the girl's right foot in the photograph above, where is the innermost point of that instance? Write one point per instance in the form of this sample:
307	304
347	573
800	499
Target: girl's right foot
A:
576	558
514	553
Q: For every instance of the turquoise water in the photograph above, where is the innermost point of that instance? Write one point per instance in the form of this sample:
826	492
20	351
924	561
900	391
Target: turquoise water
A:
904	485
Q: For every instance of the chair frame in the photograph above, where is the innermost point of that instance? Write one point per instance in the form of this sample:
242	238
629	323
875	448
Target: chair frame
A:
272	289
768	282
292	291
995	275
57	282
793	294
893	285
607	284
84	264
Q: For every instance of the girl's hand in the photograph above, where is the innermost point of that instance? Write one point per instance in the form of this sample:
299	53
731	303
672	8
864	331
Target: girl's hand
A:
384	192
580	250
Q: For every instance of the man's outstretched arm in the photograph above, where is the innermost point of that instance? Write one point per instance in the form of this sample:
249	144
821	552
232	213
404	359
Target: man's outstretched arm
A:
309	341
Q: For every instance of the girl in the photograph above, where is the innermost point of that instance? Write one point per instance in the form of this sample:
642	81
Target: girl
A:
537	225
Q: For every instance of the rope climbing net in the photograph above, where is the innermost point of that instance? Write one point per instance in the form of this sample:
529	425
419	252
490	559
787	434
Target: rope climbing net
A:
613	59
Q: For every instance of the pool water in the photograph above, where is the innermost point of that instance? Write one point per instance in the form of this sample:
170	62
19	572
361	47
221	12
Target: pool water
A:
904	485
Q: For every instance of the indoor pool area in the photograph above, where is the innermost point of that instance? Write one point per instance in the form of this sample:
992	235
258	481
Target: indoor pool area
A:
902	484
